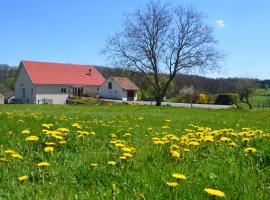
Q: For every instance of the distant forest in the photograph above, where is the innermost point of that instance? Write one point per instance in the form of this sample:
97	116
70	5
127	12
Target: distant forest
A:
8	75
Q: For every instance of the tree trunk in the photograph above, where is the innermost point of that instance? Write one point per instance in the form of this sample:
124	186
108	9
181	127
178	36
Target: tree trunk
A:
159	99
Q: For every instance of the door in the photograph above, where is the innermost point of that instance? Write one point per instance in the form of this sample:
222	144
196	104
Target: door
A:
130	95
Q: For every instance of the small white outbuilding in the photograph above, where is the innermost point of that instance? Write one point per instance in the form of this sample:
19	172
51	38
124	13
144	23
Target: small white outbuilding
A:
120	88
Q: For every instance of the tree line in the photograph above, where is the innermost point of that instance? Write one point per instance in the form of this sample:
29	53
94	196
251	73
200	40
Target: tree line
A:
8	76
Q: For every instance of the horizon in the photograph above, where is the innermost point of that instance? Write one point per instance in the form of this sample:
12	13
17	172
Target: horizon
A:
37	31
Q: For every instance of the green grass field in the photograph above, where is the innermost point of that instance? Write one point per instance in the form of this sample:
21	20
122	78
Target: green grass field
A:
146	144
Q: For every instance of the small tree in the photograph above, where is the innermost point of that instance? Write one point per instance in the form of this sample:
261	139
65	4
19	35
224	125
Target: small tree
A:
161	39
246	90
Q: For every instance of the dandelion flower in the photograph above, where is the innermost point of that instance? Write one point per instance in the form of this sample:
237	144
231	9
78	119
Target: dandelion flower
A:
43	164
25	131
172	184
32	138
23	178
50	143
214	192
94	165
48	149
9	151
250	150
179	176
3	159
111	163
16	155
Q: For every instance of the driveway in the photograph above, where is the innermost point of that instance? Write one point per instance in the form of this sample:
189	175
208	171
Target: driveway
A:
186	105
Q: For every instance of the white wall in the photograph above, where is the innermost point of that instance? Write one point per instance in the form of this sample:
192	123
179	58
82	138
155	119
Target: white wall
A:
115	93
24	81
52	92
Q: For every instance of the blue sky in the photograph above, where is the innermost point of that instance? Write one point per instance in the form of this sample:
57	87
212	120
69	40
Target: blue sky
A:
75	31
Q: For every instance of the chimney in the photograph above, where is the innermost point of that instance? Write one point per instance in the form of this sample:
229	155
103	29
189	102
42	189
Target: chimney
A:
89	72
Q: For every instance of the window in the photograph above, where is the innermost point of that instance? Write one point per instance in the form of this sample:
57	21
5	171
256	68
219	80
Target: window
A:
63	90
110	85
23	92
32	90
97	89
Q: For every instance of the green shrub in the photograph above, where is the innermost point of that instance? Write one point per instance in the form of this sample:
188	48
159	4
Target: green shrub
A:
226	99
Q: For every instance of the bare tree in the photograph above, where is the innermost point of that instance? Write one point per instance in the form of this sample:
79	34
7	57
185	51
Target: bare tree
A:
160	39
246	90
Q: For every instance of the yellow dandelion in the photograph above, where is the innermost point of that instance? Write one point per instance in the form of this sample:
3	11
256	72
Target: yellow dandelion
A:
50	143
62	142
250	150
128	155
9	151
25	131
123	157
94	165
43	164
214	192
111	163
16	155
32	138
23	178
179	176
48	149
172	184
3	159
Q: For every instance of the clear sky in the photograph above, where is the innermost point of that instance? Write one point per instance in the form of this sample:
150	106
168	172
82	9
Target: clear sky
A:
75	31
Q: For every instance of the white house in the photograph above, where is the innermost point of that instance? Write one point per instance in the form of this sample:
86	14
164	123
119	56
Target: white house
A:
44	82
119	88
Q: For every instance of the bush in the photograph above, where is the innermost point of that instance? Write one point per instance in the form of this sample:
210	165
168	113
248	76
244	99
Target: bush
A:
226	99
202	98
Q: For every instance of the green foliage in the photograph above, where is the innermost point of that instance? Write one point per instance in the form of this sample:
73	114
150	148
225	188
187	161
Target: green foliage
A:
226	99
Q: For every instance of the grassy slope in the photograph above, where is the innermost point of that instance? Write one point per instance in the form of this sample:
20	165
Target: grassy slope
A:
70	175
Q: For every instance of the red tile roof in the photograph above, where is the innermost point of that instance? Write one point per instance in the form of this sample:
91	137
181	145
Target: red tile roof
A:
125	83
62	74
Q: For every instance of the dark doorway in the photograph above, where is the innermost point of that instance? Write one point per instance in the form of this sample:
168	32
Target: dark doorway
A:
130	95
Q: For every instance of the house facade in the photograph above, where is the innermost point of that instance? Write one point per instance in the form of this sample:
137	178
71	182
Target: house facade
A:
54	83
120	88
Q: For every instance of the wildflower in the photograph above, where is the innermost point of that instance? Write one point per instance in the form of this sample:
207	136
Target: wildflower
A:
172	184
23	178
25	131
129	155
111	163
225	139
194	143
179	176
43	164
165	127
62	142
126	149
47	126
32	138
113	188
232	144
50	143
16	155
92	133
63	130
3	159
48	149
214	192
250	150
9	151
94	165
175	154
126	135
123	157
119	145
113	135
149	129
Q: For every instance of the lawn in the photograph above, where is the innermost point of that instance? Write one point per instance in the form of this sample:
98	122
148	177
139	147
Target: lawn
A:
133	152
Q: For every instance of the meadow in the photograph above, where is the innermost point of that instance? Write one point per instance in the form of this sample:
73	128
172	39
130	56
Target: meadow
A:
133	152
